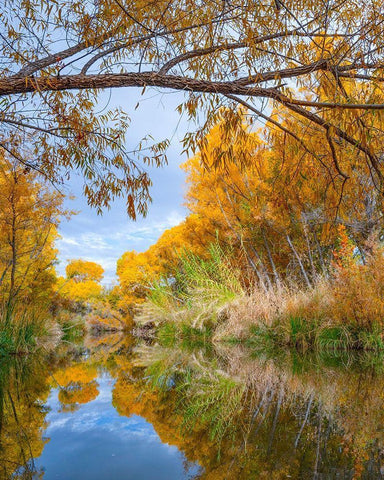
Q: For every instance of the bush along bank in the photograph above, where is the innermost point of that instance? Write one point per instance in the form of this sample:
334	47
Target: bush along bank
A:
342	310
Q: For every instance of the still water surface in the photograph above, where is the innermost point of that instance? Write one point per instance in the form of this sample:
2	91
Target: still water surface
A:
97	441
110	409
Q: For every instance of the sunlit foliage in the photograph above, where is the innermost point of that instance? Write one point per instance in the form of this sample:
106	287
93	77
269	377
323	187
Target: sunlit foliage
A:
29	216
137	272
83	281
56	58
276	210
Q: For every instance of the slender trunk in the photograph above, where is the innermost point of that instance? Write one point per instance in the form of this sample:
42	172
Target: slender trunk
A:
274	270
12	243
320	252
255	269
309	251
4	273
299	261
265	271
239	238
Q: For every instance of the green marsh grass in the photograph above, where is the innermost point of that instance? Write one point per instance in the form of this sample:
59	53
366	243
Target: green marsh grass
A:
197	295
19	329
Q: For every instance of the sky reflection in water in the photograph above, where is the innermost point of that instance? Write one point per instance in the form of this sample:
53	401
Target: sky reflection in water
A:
95	442
149	411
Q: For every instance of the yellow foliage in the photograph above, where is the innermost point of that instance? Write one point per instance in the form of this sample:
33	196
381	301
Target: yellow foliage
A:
29	217
81	291
358	292
82	282
138	271
81	270
273	202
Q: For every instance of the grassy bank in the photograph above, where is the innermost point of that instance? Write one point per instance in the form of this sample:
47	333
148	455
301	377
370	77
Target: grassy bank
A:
20	330
25	329
343	310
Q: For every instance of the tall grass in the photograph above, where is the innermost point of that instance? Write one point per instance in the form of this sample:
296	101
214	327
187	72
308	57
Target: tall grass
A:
342	311
20	329
197	295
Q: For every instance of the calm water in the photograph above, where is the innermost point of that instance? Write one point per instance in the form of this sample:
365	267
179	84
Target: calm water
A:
110	409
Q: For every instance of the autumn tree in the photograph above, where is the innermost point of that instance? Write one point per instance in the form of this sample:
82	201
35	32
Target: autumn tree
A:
82	270
29	217
274	207
277	203
82	281
57	57
138	272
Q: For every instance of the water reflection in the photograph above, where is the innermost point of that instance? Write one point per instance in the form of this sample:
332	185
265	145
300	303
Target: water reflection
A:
287	416
95	442
110	409
23	391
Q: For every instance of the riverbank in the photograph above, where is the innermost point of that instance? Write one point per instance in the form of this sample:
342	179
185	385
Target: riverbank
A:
25	329
343	310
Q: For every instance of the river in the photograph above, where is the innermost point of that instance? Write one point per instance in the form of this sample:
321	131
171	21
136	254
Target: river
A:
111	407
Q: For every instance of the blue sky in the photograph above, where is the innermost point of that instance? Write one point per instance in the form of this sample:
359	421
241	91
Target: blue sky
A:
103	239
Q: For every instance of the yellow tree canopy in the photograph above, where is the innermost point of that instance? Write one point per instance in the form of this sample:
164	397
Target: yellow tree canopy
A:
81	270
137	272
83	281
29	216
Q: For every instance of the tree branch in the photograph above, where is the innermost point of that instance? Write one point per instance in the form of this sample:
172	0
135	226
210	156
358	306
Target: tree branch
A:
17	85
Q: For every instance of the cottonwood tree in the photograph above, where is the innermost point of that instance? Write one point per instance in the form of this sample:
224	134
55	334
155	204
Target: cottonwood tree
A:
278	214
137	272
83	280
29	217
56	57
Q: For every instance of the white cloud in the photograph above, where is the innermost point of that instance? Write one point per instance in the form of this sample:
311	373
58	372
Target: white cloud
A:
108	244
68	241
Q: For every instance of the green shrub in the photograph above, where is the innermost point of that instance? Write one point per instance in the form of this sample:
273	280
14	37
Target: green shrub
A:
19	329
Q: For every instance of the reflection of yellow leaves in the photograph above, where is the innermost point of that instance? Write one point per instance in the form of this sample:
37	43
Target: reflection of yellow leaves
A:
78	373
78	393
77	384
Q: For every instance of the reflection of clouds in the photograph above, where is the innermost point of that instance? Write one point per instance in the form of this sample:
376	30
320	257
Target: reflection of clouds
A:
98	443
99	415
56	423
124	428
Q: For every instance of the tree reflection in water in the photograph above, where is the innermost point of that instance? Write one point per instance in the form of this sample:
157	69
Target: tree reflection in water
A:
283	416
289	415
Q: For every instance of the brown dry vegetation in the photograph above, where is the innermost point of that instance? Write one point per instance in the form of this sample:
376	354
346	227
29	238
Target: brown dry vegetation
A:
343	310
